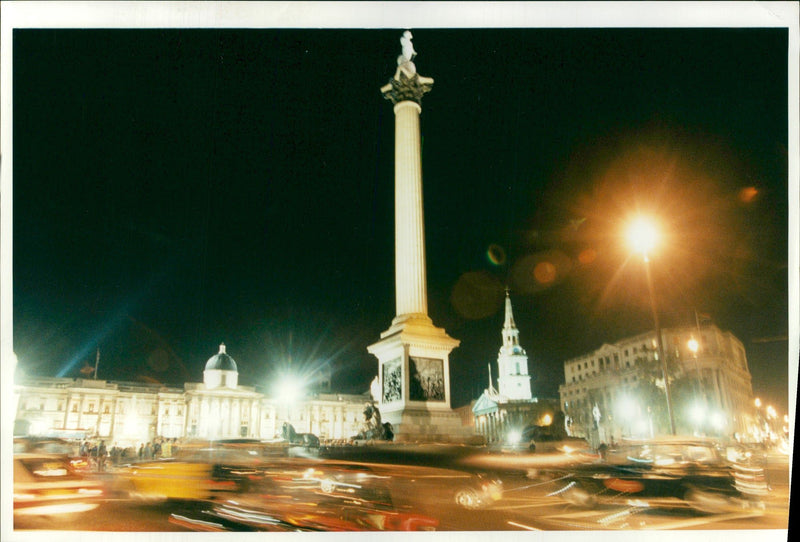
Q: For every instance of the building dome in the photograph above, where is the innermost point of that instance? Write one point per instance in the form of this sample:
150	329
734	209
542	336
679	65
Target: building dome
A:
221	361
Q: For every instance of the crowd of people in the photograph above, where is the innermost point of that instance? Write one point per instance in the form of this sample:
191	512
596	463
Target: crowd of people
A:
101	456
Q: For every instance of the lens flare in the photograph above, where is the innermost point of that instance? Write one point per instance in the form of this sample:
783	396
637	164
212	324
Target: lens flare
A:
748	194
545	273
587	256
496	254
476	295
536	272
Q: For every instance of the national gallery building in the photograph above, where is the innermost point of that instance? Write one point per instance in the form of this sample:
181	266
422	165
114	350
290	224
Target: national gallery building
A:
127	413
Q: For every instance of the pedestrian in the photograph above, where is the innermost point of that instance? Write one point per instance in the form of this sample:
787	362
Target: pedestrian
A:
141	451
102	452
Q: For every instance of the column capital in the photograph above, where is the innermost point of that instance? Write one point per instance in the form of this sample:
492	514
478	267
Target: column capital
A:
406	85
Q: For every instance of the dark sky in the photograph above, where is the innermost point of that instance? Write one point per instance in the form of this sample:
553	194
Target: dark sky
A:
176	188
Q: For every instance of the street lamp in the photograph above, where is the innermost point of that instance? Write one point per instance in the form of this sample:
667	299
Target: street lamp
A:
643	237
289	389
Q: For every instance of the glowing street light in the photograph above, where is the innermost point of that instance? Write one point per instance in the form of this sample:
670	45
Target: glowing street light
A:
643	237
289	389
771	413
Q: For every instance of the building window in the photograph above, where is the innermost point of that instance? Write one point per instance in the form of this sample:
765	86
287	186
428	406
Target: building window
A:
91	407
105	409
74	407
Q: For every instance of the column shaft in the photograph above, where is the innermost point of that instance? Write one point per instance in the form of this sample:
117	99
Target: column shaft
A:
410	282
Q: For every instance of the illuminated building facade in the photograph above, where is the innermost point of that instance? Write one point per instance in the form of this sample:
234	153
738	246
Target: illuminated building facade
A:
615	390
129	413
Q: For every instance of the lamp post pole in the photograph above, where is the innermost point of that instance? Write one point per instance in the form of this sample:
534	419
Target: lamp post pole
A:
693	346
659	343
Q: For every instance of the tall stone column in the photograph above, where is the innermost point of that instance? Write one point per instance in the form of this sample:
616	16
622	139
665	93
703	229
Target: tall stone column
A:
413	354
411	289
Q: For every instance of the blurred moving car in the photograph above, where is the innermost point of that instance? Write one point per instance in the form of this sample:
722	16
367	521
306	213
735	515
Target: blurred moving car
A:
405	485
298	516
56	446
688	471
543	440
481	491
197	471
308	495
46	484
43	445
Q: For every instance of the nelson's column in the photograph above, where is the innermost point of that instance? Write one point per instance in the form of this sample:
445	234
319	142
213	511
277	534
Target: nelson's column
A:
413	354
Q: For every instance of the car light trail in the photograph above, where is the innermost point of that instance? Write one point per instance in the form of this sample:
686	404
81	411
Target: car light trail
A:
522	526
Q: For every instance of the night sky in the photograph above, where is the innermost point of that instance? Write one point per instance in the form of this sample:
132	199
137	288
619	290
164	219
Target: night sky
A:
179	188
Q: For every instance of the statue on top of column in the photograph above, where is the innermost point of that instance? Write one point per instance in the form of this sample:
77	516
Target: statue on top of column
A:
406	83
408	49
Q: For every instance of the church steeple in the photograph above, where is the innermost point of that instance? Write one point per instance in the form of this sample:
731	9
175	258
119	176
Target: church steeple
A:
510	331
512	361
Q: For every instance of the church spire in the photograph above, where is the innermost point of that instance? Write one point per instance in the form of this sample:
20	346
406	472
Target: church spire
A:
510	331
513	379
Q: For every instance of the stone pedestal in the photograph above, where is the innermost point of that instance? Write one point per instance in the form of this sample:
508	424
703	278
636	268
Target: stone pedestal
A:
414	376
